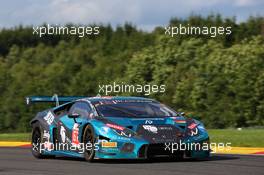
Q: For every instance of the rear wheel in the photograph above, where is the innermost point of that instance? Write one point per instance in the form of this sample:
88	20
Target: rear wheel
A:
89	141
36	138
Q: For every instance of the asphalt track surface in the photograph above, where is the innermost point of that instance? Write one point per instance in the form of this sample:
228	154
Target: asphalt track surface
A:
19	161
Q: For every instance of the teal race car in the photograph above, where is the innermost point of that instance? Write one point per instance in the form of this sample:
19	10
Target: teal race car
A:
115	128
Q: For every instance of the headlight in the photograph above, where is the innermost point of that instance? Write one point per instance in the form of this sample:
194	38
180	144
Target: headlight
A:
193	129
125	133
120	130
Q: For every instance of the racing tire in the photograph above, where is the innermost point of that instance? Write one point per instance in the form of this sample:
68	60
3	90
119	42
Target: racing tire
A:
36	140
89	138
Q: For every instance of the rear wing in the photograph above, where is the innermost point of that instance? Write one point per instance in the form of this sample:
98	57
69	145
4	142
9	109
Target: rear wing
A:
49	99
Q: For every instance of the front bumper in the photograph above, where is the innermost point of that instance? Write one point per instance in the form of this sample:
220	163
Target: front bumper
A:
139	149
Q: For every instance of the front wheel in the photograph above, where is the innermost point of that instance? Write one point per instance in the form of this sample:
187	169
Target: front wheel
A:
89	141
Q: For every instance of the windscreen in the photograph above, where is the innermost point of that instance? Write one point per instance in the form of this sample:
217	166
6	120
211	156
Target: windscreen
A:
133	109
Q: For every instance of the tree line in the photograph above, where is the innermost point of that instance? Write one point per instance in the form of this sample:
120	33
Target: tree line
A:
217	80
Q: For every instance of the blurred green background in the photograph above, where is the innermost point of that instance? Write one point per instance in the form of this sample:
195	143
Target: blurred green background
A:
219	81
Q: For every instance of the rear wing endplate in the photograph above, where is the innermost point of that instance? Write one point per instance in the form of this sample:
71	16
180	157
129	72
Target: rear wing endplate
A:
49	99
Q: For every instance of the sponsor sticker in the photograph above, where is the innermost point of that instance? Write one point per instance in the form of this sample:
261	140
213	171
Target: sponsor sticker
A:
63	134
75	134
109	144
148	122
121	138
168	128
151	128
180	121
121	128
49	118
192	126
47	143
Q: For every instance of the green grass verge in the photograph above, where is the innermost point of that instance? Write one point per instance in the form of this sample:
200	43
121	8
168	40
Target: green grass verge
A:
243	138
25	137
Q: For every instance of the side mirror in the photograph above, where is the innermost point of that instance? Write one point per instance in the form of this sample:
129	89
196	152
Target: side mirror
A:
74	115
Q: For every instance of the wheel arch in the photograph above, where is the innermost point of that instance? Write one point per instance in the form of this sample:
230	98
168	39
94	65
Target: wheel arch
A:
34	121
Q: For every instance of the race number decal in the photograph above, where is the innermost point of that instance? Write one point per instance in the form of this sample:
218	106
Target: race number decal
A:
49	118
